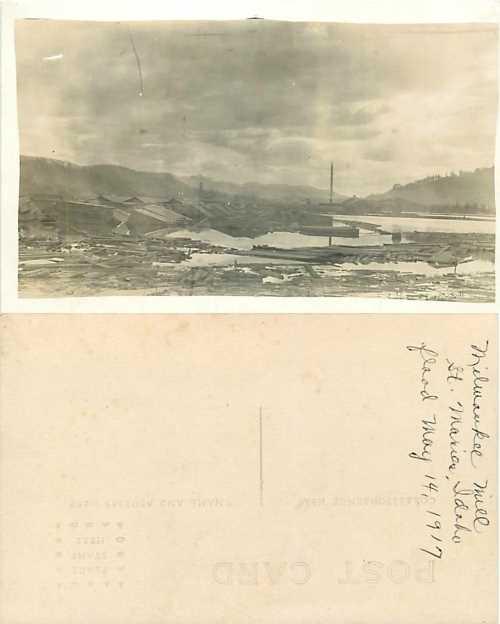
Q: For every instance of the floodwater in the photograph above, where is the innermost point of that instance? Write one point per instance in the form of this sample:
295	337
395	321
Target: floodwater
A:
290	240
226	259
223	272
417	268
282	240
422	268
412	224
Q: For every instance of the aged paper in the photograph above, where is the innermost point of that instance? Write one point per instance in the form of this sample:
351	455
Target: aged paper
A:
268	469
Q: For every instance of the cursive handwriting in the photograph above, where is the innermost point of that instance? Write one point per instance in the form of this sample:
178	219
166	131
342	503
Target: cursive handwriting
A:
429	358
455	372
427	440
480	512
477	394
436	525
456	412
460	507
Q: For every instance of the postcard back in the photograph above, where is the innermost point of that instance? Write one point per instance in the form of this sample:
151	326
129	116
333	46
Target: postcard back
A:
270	469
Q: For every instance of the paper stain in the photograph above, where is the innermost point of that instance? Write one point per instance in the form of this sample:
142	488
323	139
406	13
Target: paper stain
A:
138	62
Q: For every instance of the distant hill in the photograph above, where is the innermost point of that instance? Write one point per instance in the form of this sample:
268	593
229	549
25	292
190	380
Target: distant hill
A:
57	177
470	192
384	204
272	192
467	188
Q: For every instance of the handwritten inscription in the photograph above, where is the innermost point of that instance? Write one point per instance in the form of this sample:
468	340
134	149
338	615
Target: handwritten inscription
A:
479	381
428	431
460	509
481	519
428	358
455	413
451	400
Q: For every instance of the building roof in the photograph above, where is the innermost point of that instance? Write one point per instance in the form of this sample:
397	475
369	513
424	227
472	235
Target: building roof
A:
173	201
111	199
87	204
120	214
134	200
160	213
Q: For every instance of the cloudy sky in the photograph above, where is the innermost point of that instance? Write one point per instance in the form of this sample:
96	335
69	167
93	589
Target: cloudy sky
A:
261	101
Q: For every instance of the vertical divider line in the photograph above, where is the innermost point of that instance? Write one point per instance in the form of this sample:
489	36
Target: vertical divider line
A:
261	465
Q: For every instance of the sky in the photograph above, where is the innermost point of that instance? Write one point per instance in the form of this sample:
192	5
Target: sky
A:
260	101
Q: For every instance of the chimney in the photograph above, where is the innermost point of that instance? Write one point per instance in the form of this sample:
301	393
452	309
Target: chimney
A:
331	183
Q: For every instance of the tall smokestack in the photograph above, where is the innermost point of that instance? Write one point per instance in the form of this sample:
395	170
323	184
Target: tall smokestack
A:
331	183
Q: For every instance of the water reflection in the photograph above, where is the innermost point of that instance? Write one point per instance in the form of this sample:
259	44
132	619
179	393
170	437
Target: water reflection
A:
282	240
417	224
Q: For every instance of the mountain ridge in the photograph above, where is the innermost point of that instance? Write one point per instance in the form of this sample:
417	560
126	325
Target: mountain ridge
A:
466	187
39	175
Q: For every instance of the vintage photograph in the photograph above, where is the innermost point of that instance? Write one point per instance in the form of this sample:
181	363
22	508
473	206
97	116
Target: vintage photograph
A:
256	158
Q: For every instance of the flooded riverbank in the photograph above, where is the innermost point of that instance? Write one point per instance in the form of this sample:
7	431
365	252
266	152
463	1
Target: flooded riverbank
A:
283	240
425	265
275	280
427	224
